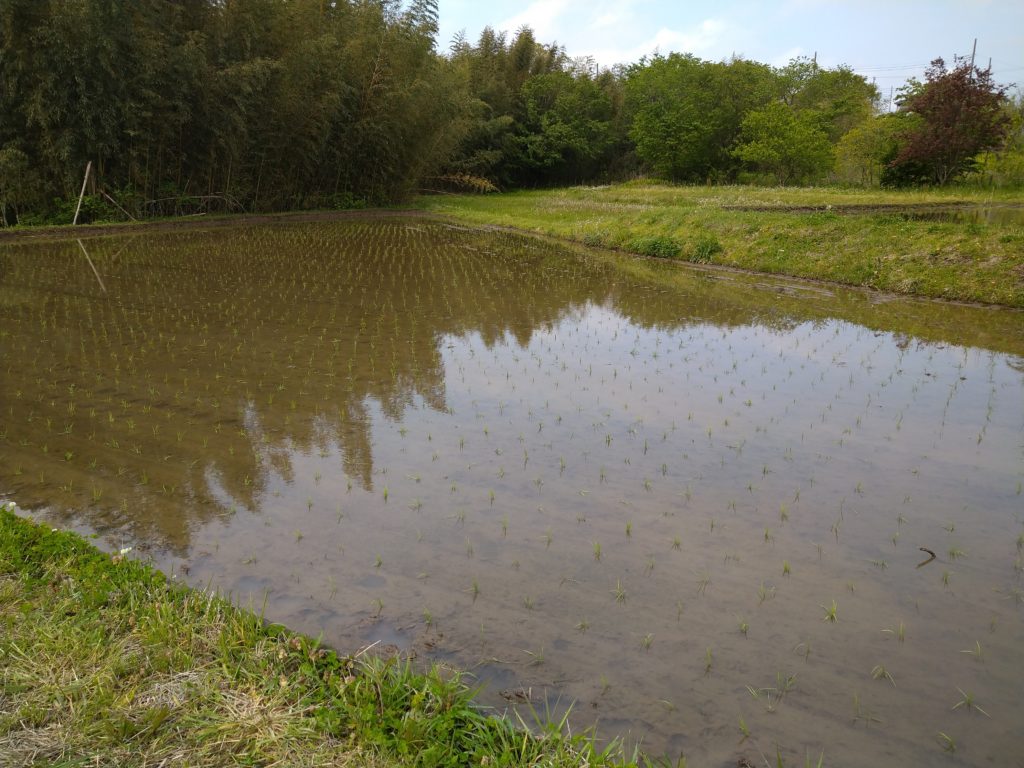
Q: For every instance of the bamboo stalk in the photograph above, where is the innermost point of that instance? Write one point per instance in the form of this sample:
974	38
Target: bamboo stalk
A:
88	167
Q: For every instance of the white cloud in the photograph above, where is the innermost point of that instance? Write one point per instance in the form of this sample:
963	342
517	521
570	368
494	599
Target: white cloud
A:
542	17
787	56
701	40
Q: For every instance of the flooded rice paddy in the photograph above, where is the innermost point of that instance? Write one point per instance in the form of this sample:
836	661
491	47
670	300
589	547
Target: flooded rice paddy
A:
695	511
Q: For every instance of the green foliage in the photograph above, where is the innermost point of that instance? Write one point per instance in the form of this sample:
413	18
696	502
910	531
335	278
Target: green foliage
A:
705	249
685	112
841	98
659	246
863	151
790	145
1003	166
218	106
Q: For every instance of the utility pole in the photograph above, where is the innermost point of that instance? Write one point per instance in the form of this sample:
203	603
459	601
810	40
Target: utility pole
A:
974	50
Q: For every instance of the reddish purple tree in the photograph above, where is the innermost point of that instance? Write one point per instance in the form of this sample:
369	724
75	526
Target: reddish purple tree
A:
961	115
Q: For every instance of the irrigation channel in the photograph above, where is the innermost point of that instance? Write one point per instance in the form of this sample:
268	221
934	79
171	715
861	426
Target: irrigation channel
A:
691	504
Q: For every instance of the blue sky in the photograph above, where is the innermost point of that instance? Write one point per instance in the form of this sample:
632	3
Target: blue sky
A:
889	41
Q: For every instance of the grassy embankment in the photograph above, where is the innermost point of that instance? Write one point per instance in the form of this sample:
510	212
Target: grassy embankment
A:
781	231
105	662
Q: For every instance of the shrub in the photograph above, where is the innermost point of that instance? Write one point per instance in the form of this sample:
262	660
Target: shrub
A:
660	246
705	248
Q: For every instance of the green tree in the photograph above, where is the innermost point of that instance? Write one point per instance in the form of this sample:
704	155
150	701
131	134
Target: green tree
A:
1004	165
568	126
686	113
863	151
842	98
792	146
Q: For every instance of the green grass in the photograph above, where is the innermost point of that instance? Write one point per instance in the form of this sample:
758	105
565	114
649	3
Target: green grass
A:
796	232
104	661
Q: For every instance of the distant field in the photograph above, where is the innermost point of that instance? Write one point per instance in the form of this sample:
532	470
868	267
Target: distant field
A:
857	237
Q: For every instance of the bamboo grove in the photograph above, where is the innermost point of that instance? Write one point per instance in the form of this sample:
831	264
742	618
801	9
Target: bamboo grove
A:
227	105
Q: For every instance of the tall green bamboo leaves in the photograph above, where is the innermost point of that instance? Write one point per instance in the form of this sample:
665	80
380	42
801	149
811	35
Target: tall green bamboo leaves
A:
259	102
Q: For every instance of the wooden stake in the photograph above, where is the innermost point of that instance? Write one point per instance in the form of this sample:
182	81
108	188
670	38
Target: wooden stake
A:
88	167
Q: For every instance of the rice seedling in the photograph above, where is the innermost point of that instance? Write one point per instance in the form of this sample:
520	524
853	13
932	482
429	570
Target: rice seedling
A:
619	592
899	633
968	703
646	641
947	742
860	712
975	651
879	672
830	613
785	568
803	649
536	657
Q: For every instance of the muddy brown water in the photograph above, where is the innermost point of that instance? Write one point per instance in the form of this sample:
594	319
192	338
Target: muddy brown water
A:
639	499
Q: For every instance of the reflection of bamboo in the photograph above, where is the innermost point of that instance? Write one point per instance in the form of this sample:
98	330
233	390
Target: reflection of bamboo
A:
98	279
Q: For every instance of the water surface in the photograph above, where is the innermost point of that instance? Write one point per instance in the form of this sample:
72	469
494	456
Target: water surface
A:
640	498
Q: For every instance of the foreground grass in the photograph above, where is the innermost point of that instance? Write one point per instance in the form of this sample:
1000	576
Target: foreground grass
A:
801	232
105	662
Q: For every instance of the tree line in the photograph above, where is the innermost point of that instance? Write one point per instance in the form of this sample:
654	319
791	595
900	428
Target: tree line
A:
201	105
